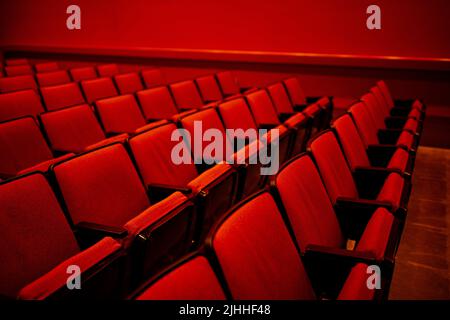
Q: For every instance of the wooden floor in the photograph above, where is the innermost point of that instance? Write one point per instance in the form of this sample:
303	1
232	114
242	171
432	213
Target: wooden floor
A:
423	259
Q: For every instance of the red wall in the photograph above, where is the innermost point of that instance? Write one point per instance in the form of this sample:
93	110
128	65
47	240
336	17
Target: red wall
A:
414	28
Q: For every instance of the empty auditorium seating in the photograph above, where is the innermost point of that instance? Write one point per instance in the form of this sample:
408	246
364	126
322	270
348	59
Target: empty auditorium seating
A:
75	129
382	186
46	67
18	104
230	85
17	83
153	153
61	96
104	195
186	95
128	83
34	265
23	148
209	89
263	109
153	78
46	79
193	279
96	89
121	115
357	155
18	70
258	258
83	73
157	103
296	93
370	134
406	105
108	70
281	100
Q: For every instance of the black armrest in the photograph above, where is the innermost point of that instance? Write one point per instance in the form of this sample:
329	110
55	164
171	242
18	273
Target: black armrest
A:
395	122
158	192
300	107
319	259
310	100
100	229
380	154
389	136
369	181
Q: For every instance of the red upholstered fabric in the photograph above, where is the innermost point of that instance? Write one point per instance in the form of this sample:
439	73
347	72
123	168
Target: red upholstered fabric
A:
209	89
16	61
333	167
193	280
96	89
18	104
308	206
108	70
374	110
257	256
312	110
72	129
411	125
386	94
120	114
382	103
57	277
406	139
128	83
377	233
186	95
351	142
355	288
364	123
119	138
52	78
22	145
209	119
153	78
392	190
228	83
66	95
399	160
295	120
157	103
295	91
152	151
102	186
262	108
230	109
45	165
83	73
280	98
209	177
10	84
18	70
46	67
35	235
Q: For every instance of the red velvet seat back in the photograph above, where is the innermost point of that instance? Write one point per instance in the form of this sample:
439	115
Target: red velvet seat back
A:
10	84
18	104
280	98
128	83
209	89
66	95
262	108
96	89
157	103
186	95
295	90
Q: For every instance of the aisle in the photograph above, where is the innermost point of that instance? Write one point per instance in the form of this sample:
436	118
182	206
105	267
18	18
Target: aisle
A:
423	260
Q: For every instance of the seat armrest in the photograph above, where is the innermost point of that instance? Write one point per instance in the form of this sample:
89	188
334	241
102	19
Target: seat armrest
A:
158	191
101	229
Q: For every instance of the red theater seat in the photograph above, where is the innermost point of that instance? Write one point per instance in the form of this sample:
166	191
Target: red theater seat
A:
16	61
396	106
163	174
193	279
96	89
356	153
157	103
389	187
263	109
258	259
108	70
186	95
75	129
83	73
280	99
23	148
128	83
209	89
61	96
18	70
103	191
46	67
10	84
153	78
18	104
38	246
296	93
230	85
121	115
52	78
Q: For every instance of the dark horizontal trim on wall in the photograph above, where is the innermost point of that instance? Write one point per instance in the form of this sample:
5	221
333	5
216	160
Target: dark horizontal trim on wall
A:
295	58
